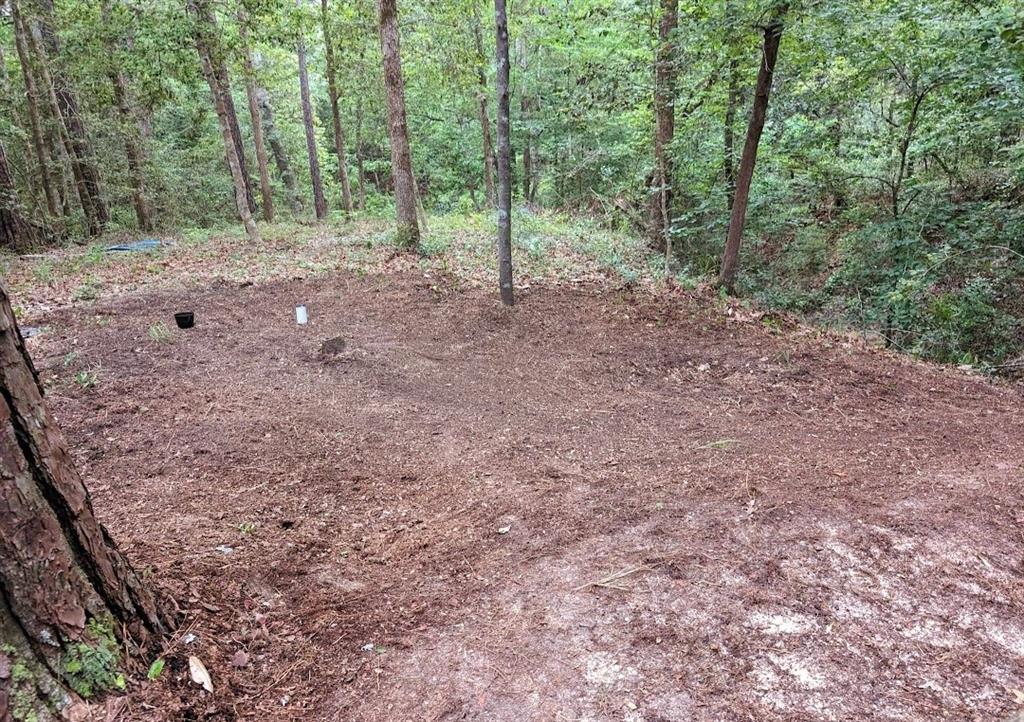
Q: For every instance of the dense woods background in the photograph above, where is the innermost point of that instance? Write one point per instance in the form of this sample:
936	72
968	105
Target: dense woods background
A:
887	192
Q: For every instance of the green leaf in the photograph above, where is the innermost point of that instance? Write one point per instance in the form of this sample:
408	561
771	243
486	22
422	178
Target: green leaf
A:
154	669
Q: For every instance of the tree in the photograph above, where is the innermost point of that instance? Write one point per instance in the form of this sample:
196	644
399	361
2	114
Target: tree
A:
665	123
319	202
504	157
284	166
42	151
485	121
762	90
129	129
202	30
68	592
254	114
16	231
332	92
408	234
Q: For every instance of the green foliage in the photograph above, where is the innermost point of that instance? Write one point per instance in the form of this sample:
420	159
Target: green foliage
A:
87	379
159	333
90	667
155	669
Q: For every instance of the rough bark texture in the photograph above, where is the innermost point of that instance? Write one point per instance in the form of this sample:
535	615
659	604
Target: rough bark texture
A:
319	202
745	174
201	29
266	193
284	166
339	131
131	134
45	45
401	158
504	157
665	125
61	576
35	121
485	120
16	231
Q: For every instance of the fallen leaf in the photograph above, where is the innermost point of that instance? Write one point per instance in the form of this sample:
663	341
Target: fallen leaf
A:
199	675
240	659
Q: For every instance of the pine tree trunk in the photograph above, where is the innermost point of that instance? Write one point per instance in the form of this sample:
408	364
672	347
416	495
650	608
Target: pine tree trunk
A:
745	174
277	149
35	120
408	235
485	121
665	123
200	16
332	91
319	202
504	157
64	586
43	42
257	123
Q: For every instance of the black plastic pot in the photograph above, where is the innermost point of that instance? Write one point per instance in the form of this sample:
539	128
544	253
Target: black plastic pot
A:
185	319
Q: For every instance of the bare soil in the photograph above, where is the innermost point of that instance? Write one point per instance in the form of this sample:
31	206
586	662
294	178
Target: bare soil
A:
601	505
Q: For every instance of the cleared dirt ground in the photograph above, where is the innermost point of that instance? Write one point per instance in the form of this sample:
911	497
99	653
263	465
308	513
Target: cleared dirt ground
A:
784	526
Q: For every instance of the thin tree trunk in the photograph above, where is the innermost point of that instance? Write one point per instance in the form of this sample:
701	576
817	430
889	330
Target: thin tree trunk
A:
745	175
65	588
728	152
359	139
201	16
254	114
35	121
408	232
504	157
485	121
43	42
130	133
665	122
17	232
284	166
332	92
319	202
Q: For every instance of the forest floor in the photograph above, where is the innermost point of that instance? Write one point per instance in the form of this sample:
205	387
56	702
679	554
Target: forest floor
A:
613	502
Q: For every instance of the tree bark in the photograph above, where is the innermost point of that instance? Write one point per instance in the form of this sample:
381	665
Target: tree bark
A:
65	588
504	157
485	121
266	193
408	232
130	132
284	166
332	92
43	42
319	202
745	174
201	30
665	124
35	121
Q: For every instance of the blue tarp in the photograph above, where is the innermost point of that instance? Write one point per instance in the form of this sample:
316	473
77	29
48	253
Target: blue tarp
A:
146	244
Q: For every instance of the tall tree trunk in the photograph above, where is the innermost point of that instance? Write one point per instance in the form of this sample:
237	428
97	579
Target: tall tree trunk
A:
665	125
43	42
408	235
745	175
35	120
485	121
201	29
504	157
332	92
16	231
284	166
130	132
65	589
319	202
254	115
359	140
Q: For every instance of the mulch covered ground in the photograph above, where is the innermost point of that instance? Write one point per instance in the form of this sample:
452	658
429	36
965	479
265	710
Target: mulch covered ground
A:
601	505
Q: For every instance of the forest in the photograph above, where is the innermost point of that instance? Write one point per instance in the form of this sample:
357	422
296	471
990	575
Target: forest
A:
514	360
